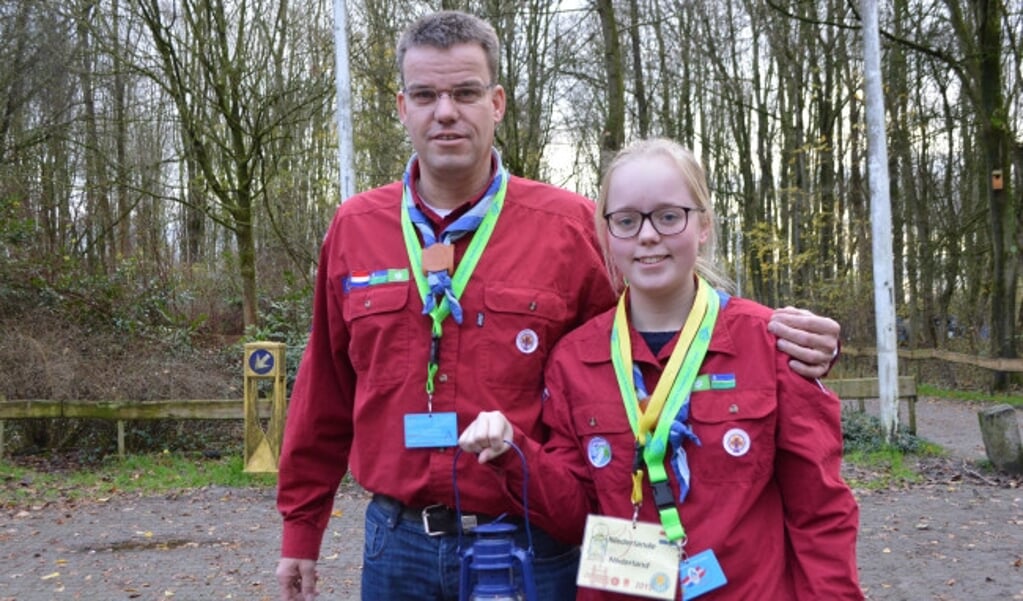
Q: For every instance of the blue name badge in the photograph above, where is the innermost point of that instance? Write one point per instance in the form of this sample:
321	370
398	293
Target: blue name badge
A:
431	430
700	574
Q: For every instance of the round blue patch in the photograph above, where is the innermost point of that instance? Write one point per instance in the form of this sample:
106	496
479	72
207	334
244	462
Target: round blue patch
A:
599	451
659	582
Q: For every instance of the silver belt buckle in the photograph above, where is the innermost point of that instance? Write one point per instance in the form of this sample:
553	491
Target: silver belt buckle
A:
426	520
469	522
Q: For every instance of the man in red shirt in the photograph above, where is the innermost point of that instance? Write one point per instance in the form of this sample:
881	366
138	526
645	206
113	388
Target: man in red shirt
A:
439	297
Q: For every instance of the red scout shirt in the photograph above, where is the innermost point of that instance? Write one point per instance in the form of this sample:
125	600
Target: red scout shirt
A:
779	517
364	368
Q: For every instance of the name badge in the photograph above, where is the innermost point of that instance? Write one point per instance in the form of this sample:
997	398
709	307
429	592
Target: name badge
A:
431	430
633	560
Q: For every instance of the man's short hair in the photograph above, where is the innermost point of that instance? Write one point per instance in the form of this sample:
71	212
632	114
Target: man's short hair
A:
448	28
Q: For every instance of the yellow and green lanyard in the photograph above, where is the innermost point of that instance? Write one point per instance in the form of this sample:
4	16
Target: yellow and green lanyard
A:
671	393
458	281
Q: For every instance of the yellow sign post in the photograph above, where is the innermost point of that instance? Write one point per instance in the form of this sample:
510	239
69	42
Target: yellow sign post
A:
264	364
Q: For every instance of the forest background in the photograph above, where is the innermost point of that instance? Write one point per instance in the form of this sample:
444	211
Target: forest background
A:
168	167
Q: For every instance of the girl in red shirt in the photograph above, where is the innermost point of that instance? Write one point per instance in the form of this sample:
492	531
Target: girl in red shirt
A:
676	409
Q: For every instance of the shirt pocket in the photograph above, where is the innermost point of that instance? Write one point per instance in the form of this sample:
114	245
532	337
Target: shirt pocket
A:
521	326
379	332
737	435
609	445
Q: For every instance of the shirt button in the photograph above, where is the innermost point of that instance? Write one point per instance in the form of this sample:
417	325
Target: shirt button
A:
442	377
733	409
367	303
532	306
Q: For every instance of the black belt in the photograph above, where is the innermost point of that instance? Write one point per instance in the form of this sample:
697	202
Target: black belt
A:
439	520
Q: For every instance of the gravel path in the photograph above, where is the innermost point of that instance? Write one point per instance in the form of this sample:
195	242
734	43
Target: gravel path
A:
956	536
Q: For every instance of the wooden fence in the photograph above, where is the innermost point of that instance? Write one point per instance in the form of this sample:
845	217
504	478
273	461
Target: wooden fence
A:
861	389
122	411
992	363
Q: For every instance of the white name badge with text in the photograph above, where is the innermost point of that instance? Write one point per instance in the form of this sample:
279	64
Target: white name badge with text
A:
629	559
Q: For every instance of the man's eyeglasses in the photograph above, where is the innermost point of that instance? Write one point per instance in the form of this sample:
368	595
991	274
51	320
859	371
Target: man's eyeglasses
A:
463	94
667	221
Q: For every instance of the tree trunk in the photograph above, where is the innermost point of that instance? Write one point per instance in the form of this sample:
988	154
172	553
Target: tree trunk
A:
613	135
639	93
1004	215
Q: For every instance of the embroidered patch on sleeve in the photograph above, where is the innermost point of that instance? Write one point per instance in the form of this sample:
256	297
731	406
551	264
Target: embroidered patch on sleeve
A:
361	279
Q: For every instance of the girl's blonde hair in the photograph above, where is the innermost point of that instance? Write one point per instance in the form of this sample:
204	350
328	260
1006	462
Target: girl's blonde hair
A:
696	180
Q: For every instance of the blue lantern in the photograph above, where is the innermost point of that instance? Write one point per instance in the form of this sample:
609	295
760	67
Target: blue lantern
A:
487	568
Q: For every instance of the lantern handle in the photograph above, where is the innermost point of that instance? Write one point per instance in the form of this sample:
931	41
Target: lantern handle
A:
525	495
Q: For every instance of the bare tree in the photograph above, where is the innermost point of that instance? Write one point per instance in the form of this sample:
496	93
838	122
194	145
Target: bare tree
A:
534	51
977	25
381	146
613	133
232	110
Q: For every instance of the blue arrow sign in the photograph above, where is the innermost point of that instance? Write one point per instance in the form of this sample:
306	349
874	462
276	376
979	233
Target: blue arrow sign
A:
261	361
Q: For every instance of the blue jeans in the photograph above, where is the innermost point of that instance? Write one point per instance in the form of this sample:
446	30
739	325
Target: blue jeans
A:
402	563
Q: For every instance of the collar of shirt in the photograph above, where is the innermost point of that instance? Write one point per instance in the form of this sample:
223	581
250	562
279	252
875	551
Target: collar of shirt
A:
439	222
597	350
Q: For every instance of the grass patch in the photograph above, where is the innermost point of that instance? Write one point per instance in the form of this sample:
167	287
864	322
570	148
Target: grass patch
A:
879	463
135	474
862	433
881	468
1016	400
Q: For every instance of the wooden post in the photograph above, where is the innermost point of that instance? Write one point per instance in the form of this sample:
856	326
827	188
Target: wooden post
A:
1000	431
912	410
264	361
120	438
3	448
